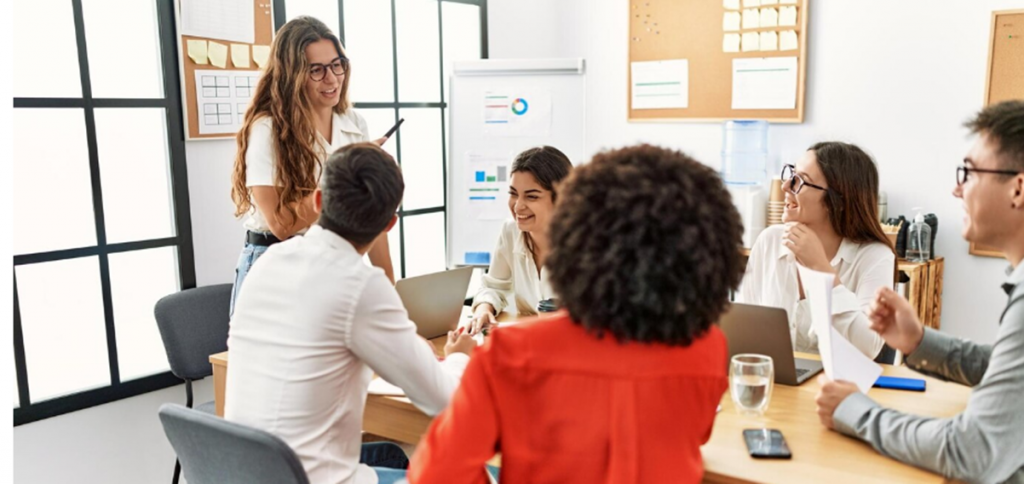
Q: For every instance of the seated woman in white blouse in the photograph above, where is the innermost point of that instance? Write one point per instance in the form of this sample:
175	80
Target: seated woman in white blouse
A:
517	266
830	225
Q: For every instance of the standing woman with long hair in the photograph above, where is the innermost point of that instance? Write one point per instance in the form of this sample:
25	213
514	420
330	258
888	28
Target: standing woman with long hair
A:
299	115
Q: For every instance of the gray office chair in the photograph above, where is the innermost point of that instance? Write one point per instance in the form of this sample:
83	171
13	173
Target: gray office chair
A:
215	451
194	325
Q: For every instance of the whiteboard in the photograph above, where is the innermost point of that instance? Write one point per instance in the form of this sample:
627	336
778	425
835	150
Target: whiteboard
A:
499	108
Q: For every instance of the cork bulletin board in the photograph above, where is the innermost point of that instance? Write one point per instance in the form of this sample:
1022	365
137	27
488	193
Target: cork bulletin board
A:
696	30
237	78
1004	79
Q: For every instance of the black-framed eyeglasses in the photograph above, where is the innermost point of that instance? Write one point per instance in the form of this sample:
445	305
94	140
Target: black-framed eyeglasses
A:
963	173
338	67
795	181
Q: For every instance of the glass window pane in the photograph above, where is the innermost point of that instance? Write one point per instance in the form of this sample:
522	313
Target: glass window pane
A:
138	280
379	121
460	24
63	325
424	244
369	44
422	164
394	239
48	26
124	48
135	173
52	185
325	11
419	42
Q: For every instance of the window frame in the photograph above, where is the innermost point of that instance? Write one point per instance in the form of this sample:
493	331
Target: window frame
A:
27	411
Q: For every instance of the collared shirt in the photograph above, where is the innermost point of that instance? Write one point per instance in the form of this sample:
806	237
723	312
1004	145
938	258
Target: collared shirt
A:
513	273
311	325
982	444
771	280
260	164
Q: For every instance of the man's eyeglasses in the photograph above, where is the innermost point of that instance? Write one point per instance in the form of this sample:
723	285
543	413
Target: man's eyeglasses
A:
338	67
963	173
795	181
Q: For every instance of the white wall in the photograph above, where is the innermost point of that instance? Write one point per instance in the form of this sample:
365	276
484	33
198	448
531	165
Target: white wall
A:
896	78
217	236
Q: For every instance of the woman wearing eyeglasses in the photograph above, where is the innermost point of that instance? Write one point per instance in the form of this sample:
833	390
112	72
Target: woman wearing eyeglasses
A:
830	225
299	115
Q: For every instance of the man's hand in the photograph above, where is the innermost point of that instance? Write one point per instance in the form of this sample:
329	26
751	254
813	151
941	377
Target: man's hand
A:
832	393
459	341
895	321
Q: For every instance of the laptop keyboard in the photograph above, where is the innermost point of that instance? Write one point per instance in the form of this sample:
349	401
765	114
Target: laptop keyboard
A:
801	372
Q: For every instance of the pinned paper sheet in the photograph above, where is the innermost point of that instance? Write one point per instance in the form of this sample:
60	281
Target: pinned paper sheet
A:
769	41
197	51
788	2
751	41
230	20
751	3
260	54
731	43
769	2
660	84
218	54
842	360
788	40
240	55
731	4
764	83
787	17
751	18
731	21
769	17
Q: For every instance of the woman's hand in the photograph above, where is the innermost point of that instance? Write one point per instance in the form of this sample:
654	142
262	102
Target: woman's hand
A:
483	318
807	247
380	141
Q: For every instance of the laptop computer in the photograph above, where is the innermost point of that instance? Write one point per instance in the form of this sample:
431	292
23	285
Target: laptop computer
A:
434	301
765	331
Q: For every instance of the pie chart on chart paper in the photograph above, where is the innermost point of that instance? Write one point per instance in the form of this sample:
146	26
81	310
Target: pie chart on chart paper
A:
520	106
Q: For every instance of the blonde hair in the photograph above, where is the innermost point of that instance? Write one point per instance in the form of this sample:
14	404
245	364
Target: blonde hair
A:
281	96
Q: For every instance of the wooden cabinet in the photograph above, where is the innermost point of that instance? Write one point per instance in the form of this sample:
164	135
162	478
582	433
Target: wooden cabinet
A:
924	289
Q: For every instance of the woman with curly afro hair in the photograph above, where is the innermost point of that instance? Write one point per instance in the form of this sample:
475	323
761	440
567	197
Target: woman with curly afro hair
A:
621	385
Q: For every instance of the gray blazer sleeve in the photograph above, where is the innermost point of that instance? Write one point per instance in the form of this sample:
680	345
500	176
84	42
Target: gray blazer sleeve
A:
982	444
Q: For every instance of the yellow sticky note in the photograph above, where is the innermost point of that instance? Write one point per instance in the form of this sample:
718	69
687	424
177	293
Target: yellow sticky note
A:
197	51
751	3
788	40
769	41
240	55
751	18
751	41
787	17
218	54
260	54
731	43
769	17
769	2
731	4
731	21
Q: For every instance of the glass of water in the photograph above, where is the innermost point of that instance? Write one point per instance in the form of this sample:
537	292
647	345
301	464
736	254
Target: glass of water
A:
751	378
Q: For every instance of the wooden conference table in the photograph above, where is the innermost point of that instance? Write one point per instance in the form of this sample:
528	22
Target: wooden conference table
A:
819	455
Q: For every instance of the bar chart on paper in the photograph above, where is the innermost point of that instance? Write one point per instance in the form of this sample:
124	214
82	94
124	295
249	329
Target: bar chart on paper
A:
488	178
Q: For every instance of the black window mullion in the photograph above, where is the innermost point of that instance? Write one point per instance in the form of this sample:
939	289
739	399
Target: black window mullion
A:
398	134
279	15
341	21
444	136
19	353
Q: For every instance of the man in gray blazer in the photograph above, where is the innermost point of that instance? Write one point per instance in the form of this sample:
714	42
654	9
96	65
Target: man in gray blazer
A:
982	444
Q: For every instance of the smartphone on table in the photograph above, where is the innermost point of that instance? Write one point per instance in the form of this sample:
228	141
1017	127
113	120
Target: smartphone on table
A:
766	444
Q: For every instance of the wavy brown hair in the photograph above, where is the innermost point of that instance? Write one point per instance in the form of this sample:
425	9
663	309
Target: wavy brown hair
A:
281	96
852	195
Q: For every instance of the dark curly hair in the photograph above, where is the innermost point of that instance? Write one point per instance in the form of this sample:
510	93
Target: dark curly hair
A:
645	245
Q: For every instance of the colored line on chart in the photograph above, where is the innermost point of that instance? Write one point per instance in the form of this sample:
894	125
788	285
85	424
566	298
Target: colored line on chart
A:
483	198
496	122
485	189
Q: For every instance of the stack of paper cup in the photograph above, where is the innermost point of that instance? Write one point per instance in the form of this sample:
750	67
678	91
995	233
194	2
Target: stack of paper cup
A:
776	203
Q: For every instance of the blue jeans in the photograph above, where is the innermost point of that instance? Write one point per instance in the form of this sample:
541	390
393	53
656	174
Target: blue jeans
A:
245	261
387	460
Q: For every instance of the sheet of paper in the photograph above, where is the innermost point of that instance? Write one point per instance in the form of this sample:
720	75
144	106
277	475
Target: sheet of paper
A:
787	16
378	386
731	43
197	51
218	54
788	40
222	98
842	360
751	3
509	113
660	84
751	18
769	17
731	4
260	55
769	41
765	83
231	20
751	42
769	2
731	21
240	56
487	179
788	2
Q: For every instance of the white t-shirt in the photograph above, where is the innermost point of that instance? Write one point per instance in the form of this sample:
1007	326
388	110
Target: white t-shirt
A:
312	324
260	168
771	280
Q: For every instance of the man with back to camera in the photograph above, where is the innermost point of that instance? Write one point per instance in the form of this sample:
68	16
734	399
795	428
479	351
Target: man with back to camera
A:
981	444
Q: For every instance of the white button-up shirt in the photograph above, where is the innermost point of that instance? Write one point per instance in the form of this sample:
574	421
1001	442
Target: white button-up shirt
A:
513	273
311	325
771	280
260	158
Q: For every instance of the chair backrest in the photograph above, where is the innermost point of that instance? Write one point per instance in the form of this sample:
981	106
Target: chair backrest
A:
194	325
215	451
